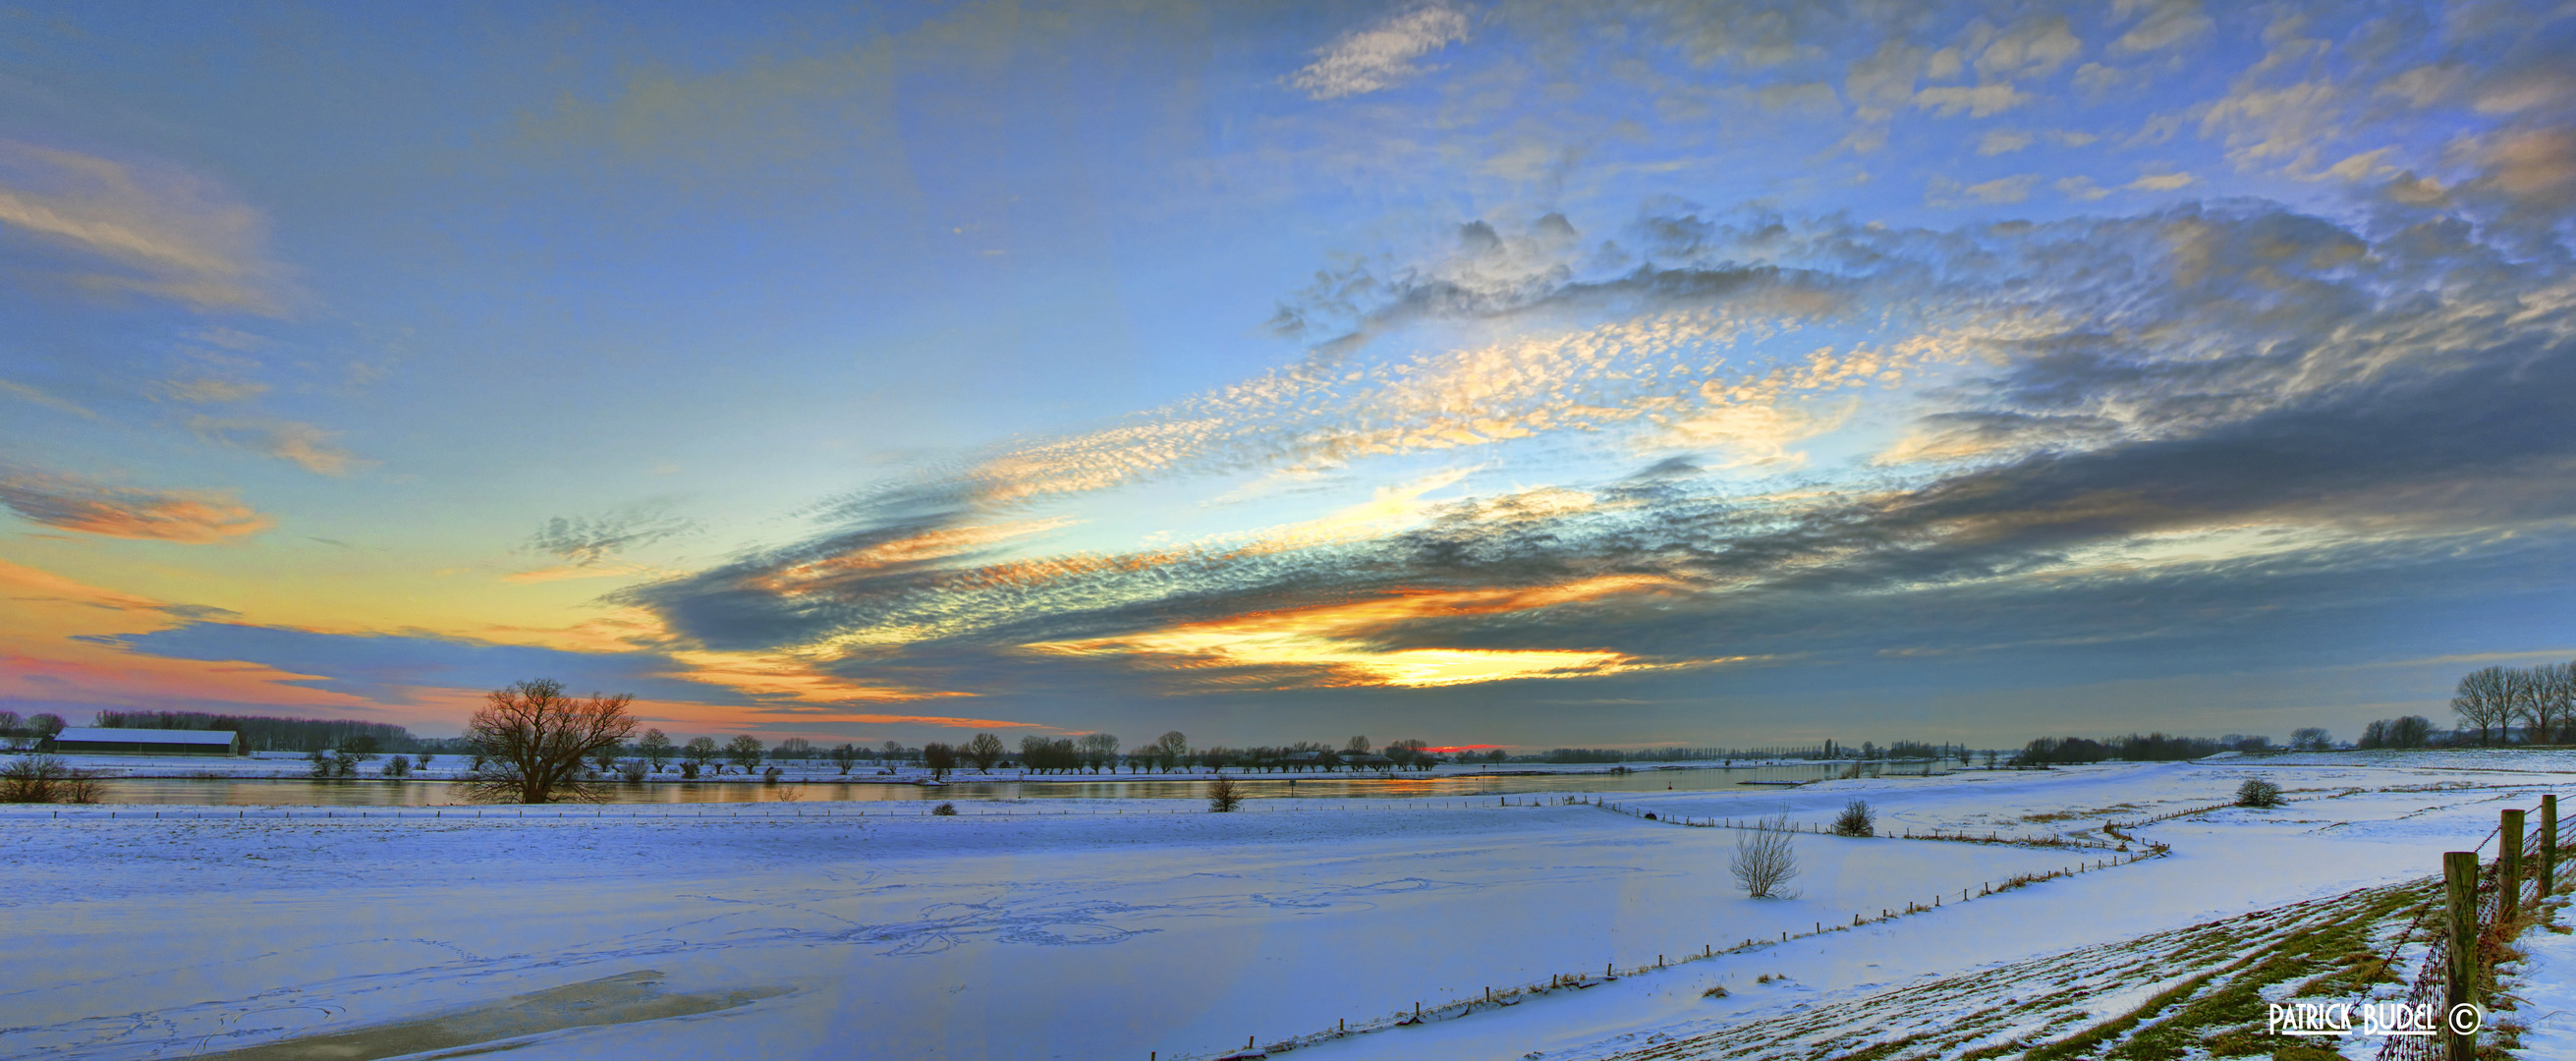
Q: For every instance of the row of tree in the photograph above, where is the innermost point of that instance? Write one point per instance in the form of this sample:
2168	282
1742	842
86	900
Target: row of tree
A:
266	733
2541	701
16	732
2151	747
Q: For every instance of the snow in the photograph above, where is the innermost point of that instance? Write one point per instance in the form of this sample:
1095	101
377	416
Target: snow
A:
2546	981
1107	929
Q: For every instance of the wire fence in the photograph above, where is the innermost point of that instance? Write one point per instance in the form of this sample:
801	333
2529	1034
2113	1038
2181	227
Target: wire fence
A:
2430	988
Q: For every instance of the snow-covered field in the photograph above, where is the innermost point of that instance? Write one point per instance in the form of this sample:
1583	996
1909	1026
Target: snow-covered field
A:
1050	928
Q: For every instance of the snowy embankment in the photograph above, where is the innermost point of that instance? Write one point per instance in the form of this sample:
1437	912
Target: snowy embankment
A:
787	932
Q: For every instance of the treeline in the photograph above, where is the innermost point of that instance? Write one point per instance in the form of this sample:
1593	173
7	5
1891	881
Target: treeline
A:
2135	748
2541	701
266	733
1904	749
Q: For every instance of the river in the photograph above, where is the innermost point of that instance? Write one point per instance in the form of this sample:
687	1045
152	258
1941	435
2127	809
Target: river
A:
372	792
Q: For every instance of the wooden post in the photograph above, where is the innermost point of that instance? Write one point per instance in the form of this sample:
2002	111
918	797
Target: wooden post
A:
2509	868
2548	844
2460	880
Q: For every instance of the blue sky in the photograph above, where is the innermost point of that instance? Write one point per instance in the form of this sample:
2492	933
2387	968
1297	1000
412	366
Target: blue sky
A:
1728	373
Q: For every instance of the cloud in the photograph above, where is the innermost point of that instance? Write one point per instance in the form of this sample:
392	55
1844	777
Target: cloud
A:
2002	142
1380	56
304	444
2080	188
2162	182
1980	101
2034	47
170	234
24	392
1943	191
584	541
190	516
2227	398
2161	24
208	391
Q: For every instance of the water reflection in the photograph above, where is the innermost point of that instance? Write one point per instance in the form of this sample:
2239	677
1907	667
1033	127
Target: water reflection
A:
249	792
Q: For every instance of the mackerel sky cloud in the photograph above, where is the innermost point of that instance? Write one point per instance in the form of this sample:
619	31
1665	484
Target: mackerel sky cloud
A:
1510	374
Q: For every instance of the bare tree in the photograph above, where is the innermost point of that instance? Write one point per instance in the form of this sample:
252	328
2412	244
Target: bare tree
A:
534	740
45	779
985	750
2311	739
2521	697
699	752
745	751
1766	859
1224	795
1170	749
655	746
1098	750
844	756
2481	701
2553	697
1357	746
940	758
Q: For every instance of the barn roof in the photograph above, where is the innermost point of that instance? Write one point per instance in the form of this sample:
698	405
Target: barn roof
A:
146	736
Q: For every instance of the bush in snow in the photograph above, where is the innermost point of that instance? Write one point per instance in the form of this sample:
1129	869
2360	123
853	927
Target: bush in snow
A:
945	810
1224	795
2256	792
45	779
1765	859
632	770
1855	820
688	771
397	768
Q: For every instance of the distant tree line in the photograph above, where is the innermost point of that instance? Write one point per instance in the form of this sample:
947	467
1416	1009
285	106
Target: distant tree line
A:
2135	748
266	733
19	733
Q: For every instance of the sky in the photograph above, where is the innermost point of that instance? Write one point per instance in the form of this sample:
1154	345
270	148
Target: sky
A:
1519	374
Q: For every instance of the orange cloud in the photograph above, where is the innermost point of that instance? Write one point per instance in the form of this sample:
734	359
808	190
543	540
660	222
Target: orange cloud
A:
913	549
789	677
43	655
1337	645
190	516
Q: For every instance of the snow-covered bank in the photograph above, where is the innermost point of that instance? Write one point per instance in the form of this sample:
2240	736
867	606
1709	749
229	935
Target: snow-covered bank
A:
1111	935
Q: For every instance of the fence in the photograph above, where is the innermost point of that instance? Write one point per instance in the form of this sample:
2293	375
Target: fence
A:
2480	905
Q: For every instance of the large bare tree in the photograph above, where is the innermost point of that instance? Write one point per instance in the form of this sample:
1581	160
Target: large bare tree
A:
2482	701
534	740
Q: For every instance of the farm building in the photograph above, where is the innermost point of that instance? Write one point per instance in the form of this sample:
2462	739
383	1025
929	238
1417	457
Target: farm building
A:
92	740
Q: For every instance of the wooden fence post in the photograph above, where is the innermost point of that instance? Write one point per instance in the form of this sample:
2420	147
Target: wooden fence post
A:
2548	844
2509	867
2460	880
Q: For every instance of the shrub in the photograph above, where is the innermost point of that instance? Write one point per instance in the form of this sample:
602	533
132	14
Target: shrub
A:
632	770
1224	795
45	779
770	776
945	810
1855	820
1765	859
1718	991
688	771
2256	792
397	768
